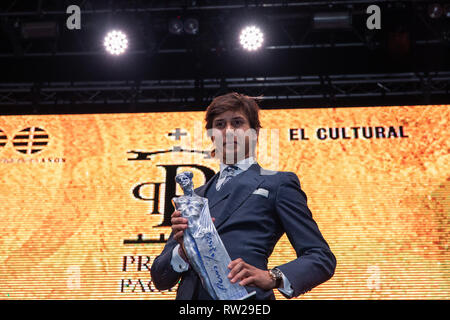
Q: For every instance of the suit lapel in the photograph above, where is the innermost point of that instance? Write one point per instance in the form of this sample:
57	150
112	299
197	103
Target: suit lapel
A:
237	196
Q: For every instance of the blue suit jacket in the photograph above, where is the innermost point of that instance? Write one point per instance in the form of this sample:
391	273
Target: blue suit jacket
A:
250	225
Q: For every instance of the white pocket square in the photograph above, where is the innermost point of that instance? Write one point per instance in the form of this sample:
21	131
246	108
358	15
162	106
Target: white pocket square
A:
262	192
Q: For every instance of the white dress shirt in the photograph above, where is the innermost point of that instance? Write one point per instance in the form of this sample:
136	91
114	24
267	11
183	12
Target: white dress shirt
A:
178	263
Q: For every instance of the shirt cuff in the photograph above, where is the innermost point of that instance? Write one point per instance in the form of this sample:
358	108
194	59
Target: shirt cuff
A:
286	290
177	262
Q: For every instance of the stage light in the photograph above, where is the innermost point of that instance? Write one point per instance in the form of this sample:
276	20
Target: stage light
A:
176	26
116	42
251	38
435	10
191	26
447	10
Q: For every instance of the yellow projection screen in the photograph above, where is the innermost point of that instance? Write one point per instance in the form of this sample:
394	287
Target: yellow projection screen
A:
85	199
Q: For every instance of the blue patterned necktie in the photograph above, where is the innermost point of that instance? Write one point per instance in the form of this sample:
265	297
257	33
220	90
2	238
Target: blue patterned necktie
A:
229	172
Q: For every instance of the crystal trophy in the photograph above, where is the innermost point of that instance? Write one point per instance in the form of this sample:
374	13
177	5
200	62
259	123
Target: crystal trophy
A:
202	244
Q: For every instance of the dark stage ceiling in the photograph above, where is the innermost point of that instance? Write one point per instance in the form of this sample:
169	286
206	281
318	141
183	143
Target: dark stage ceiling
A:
301	63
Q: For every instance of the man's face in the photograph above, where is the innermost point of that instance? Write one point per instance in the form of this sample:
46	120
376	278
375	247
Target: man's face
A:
232	136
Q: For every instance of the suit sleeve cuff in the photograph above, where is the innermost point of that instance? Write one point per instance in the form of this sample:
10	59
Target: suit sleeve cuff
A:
178	264
286	290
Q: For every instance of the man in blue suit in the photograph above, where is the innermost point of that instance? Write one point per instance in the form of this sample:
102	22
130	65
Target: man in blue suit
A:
251	209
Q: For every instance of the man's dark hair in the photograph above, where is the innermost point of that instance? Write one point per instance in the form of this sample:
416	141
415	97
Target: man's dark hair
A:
235	102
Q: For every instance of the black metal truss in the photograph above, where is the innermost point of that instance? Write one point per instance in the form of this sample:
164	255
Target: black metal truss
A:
14	9
289	38
198	92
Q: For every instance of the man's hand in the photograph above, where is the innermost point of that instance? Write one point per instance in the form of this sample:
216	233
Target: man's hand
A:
179	224
249	275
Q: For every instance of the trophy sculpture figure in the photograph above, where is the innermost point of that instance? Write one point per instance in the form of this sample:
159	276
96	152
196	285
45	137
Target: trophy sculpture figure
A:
203	246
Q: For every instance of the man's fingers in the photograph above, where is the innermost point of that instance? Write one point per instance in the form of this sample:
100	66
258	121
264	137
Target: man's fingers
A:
176	213
249	281
179	221
236	268
179	224
248	275
178	227
234	262
240	275
178	235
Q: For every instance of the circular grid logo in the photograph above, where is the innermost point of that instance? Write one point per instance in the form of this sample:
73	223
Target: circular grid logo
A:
30	140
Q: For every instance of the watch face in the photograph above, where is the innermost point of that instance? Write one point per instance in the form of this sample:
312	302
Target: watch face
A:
279	274
276	273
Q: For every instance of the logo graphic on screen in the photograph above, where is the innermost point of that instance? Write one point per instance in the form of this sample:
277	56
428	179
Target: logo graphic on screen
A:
3	138
171	171
30	140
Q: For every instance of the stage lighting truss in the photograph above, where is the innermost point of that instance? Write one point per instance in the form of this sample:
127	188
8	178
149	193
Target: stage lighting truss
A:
312	90
251	38
116	42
